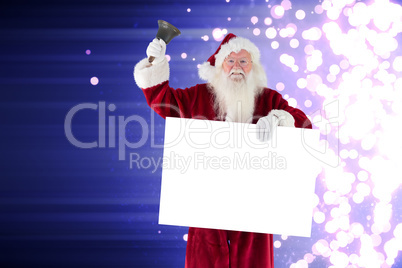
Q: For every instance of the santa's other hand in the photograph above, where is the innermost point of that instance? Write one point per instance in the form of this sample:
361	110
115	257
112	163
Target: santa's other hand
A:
157	50
265	127
284	118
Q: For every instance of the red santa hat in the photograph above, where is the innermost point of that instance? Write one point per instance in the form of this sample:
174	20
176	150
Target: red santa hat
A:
231	43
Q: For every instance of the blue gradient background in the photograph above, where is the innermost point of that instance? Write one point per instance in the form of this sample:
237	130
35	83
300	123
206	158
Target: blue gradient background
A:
62	206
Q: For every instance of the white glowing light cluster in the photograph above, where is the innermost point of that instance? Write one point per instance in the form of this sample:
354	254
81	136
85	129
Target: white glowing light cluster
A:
94	80
350	58
218	34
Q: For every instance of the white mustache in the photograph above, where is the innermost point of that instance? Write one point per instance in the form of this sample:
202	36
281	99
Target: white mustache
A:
237	71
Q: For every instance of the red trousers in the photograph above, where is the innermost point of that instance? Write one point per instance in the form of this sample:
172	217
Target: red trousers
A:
210	248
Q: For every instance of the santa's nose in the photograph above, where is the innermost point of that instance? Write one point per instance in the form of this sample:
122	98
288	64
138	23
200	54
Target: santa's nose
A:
237	69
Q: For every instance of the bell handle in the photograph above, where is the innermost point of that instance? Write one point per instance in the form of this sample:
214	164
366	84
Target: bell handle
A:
151	59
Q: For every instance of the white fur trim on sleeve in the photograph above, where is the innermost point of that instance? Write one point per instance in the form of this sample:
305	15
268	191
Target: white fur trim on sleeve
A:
284	118
146	75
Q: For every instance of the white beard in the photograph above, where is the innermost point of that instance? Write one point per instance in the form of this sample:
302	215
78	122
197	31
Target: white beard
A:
235	97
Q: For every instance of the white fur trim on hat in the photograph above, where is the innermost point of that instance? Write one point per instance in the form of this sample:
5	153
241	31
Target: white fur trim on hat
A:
148	76
207	71
235	45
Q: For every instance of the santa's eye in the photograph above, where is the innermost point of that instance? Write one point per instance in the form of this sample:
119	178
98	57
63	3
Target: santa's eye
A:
242	62
230	61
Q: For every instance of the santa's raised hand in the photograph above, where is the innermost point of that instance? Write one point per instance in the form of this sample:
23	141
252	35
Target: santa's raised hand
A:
157	50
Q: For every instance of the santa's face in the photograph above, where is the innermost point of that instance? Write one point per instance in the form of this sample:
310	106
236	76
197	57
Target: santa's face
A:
237	65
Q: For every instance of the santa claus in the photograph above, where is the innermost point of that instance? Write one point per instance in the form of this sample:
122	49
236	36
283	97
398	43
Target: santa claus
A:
235	91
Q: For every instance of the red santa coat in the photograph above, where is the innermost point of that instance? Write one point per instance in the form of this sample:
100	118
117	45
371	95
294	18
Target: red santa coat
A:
220	248
198	102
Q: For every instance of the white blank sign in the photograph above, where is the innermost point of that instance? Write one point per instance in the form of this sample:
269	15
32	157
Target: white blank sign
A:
218	175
